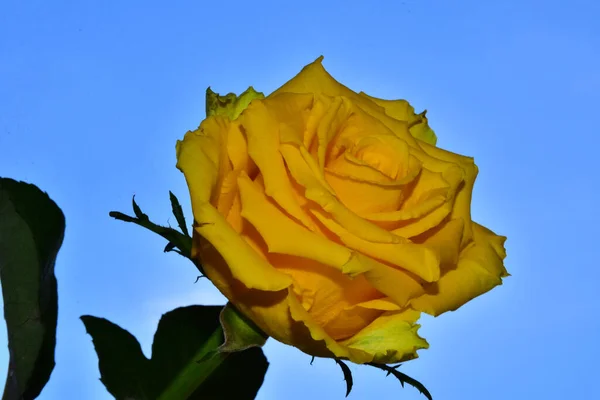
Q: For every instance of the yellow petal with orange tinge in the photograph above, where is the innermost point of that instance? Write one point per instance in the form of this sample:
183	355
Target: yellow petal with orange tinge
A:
429	191
321	338
282	235
244	262
384	304
480	269
421	130
402	110
293	109
392	282
237	150
302	167
323	195
316	80
350	320
390	338
462	201
417	259
202	158
329	126
445	241
399	109
262	132
348	219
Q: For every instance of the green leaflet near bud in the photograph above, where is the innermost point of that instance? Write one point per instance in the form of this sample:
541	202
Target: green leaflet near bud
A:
230	105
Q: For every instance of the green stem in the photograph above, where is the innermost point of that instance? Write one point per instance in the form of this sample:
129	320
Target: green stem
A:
196	371
183	242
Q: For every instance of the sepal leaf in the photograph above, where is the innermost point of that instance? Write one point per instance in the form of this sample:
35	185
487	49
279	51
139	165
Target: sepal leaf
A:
178	213
240	333
347	375
403	378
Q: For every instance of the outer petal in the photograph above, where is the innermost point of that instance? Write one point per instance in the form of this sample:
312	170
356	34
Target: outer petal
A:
390	338
402	110
278	313
445	240
244	262
202	157
329	296
462	202
315	79
479	270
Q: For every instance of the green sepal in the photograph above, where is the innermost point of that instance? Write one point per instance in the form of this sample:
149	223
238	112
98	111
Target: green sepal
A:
347	375
403	378
240	333
178	213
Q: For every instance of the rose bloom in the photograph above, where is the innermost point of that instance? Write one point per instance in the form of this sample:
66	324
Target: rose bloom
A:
331	219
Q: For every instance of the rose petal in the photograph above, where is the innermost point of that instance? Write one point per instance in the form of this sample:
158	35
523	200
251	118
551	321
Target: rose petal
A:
391	338
383	304
479	270
393	282
429	202
315	79
373	175
321	341
328	295
445	240
462	201
299	166
418	259
243	261
262	132
282	235
201	156
402	110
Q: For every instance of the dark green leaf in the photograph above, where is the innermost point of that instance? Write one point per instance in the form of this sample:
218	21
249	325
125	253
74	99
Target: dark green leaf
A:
240	332
122	356
403	378
347	375
178	213
31	232
138	211
185	362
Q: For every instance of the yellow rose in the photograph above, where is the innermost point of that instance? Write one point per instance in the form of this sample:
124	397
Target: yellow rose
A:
330	219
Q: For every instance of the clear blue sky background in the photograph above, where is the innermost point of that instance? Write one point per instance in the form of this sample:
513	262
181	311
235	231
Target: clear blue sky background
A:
94	94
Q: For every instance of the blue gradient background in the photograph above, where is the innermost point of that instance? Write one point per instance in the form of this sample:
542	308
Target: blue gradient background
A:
94	94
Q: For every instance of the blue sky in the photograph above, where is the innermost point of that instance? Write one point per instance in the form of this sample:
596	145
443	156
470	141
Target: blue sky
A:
93	96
